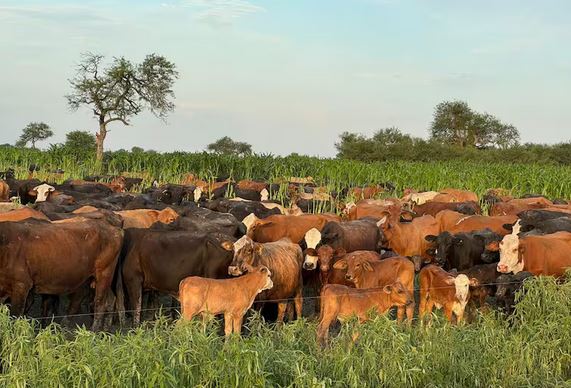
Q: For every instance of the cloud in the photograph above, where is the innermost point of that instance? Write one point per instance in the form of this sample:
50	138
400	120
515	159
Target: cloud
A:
54	14
221	12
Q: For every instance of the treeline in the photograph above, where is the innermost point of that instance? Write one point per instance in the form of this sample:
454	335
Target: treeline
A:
391	144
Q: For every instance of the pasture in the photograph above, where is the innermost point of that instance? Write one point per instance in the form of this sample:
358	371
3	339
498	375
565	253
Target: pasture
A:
532	347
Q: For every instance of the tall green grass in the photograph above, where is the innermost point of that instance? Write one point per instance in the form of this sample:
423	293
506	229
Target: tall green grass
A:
531	349
550	180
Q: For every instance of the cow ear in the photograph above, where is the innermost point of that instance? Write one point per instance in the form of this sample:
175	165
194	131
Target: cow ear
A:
340	252
450	281
382	221
508	227
32	193
264	269
388	289
474	282
431	238
341	264
368	266
228	245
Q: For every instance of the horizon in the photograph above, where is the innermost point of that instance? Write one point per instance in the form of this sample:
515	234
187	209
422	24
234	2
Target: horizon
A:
305	72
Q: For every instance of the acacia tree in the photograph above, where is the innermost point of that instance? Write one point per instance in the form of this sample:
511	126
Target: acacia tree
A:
455	122
122	90
227	146
33	133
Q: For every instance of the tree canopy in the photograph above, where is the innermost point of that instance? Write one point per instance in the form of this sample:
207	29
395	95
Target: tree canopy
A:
122	90
454	122
227	146
33	133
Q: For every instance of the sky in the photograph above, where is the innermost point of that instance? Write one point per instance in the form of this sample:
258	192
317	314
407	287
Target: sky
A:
291	75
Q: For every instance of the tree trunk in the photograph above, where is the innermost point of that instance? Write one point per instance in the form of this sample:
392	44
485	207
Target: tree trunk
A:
100	138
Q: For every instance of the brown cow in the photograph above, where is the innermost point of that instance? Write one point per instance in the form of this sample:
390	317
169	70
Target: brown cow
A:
276	227
433	208
455	195
372	208
144	218
414	197
366	192
58	258
366	270
251	185
516	206
22	214
326	257
283	258
541	255
341	303
409	238
4	191
231	297
440	289
454	222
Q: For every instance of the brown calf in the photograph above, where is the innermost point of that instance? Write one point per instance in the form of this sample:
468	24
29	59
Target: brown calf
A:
440	289
4	191
340	302
231	297
366	270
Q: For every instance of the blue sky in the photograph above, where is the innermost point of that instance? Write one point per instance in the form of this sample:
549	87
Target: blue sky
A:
291	75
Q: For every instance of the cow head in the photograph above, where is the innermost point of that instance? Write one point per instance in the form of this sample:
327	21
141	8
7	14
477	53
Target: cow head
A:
264	195
197	194
326	255
507	286
355	265
398	294
265	277
167	216
443	246
462	285
312	239
41	192
246	256
510	255
249	221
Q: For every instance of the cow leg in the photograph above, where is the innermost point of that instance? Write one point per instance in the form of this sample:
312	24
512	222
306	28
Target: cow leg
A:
18	298
50	305
104	298
422	310
75	300
410	312
228	322
135	295
237	324
298	302
459	317
448	313
282	306
400	313
323	331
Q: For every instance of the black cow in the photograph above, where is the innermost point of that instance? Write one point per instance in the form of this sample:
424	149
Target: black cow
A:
464	250
536	215
561	224
159	259
240	209
486	275
507	287
358	235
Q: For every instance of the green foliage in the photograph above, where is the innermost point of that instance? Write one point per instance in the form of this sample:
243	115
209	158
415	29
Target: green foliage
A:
33	133
531	349
456	123
551	180
227	146
394	145
122	90
80	144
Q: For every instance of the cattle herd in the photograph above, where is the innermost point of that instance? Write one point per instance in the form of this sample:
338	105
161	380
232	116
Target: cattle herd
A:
221	247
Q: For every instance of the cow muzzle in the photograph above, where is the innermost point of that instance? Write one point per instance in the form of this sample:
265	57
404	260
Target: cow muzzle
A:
502	268
234	270
348	277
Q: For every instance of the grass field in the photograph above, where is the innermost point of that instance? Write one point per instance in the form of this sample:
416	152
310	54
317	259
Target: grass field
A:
531	349
550	180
